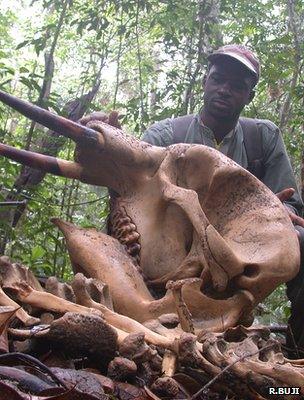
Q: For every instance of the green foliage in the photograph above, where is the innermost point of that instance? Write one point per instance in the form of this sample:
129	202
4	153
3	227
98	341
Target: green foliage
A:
149	57
275	309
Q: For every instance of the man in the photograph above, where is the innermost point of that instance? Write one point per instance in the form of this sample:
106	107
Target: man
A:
228	87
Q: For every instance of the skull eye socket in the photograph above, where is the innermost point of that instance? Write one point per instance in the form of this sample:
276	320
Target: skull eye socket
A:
251	270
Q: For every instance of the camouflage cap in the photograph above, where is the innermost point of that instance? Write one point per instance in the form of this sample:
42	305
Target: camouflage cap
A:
241	54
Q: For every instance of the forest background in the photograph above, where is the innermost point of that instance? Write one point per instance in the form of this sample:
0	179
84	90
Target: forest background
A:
146	59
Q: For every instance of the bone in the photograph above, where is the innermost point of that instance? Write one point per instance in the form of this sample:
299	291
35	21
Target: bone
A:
241	354
169	363
135	348
190	354
119	321
166	387
181	307
21	314
124	325
221	259
48	301
39	331
15	272
97	290
121	369
59	289
116	269
52	121
207	216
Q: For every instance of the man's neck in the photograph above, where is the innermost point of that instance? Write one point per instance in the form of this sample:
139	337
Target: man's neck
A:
219	127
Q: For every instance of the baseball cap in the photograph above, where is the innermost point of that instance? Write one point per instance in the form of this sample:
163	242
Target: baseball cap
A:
241	54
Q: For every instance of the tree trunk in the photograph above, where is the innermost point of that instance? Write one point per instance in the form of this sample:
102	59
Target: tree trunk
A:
207	14
293	28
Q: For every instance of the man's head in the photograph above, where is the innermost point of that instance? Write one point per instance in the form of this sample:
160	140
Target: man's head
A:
229	83
239	54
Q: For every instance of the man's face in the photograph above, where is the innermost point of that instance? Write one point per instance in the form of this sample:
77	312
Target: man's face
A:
227	89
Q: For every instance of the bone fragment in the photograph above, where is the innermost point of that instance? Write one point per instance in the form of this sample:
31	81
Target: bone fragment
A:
181	307
135	348
121	368
48	301
46	318
23	334
119	321
169	363
12	273
166	387
97	291
21	314
190	354
59	289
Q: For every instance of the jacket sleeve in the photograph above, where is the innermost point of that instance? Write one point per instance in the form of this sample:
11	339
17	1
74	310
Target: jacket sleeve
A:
278	170
159	134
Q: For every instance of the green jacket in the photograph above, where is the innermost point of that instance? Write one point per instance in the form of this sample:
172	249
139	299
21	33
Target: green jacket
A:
277	167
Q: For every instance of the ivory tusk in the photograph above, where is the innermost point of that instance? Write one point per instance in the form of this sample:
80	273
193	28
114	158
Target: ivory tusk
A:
55	166
60	125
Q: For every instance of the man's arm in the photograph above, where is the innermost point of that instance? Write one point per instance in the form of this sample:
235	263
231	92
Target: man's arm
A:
278	170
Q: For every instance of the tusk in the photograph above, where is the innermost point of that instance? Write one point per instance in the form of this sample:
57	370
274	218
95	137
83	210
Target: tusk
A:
55	166
60	125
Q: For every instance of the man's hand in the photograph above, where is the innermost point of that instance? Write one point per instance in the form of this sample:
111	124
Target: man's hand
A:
111	119
285	195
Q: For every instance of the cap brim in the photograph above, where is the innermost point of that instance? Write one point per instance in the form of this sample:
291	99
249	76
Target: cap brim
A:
213	57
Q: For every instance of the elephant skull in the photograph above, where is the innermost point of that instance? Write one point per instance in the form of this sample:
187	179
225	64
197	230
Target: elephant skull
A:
185	212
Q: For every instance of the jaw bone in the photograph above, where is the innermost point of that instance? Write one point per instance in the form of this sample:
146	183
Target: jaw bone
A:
108	262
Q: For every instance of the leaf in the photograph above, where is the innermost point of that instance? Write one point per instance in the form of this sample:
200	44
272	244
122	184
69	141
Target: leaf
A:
37	252
23	69
9	393
22	44
126	391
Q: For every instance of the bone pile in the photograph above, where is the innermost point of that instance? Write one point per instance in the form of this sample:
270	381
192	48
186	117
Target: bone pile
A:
89	350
